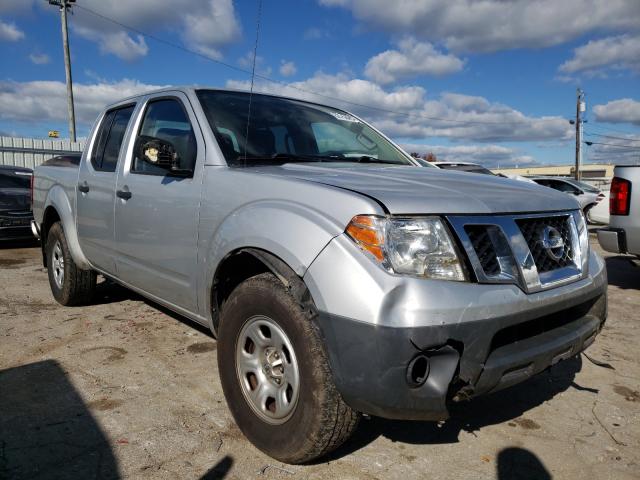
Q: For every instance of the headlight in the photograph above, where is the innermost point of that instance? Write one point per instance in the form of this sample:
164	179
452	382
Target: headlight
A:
418	246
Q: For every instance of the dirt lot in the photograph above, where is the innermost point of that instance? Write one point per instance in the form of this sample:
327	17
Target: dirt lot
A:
126	389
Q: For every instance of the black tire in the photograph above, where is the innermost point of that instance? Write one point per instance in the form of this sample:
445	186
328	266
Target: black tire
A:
320	421
77	285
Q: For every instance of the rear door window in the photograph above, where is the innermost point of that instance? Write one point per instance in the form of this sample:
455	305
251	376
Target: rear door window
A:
109	139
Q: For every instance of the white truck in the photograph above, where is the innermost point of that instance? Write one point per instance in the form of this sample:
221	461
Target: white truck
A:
623	233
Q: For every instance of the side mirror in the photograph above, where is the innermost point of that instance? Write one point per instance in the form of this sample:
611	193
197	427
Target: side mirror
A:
160	153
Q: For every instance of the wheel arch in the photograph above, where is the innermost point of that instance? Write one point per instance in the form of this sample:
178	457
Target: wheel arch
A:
244	263
49	217
58	208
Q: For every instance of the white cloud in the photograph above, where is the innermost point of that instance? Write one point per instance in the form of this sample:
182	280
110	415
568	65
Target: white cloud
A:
613	52
412	59
117	43
39	101
490	25
9	32
13	6
450	115
287	68
487	155
39	58
209	30
204	26
624	110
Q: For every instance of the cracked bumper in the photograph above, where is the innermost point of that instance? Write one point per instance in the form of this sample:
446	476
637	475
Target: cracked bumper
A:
478	338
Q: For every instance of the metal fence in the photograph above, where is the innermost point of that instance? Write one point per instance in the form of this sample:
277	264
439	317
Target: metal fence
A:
31	152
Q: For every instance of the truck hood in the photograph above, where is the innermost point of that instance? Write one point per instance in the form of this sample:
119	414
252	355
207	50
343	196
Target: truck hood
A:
422	190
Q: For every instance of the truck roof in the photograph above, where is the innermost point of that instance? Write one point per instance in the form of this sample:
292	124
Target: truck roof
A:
191	89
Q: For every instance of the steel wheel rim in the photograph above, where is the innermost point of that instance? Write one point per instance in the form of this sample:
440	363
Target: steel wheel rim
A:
267	370
57	264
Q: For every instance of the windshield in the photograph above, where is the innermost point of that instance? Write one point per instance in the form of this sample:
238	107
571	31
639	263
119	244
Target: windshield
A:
15	180
284	130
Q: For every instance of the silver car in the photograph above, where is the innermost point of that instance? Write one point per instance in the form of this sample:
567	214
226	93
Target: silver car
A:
586	195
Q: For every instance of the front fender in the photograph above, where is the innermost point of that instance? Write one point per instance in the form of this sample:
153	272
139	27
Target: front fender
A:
294	233
58	199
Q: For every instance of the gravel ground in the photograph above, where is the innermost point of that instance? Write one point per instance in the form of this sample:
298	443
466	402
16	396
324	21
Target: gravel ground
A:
125	389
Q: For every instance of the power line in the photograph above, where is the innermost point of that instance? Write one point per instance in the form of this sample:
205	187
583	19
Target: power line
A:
288	85
607	129
611	136
613	145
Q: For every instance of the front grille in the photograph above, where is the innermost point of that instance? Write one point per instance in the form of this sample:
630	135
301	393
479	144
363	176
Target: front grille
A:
533	230
534	251
484	248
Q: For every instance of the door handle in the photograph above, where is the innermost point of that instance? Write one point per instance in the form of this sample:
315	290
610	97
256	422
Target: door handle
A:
123	194
83	187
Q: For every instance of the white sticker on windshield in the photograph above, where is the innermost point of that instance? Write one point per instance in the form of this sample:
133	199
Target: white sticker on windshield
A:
345	117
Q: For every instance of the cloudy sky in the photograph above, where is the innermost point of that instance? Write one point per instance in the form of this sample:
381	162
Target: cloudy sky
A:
491	81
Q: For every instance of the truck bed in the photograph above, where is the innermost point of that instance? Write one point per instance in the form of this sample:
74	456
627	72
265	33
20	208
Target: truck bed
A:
49	177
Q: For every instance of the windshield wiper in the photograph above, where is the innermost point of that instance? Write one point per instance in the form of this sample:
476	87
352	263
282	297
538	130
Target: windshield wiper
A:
368	159
289	157
294	157
277	157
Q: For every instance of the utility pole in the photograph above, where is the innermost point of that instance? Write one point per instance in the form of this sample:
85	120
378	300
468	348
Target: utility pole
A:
65	5
580	107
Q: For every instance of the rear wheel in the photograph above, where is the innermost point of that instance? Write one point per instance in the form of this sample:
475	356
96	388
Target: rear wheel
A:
70	285
275	374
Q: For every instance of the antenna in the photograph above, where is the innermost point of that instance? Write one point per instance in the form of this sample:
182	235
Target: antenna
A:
253	76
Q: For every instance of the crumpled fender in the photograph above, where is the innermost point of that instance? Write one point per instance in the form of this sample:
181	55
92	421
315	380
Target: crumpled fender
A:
293	233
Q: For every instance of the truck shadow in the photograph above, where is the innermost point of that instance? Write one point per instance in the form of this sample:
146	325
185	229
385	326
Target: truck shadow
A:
46	430
500	407
622	272
13	244
110	292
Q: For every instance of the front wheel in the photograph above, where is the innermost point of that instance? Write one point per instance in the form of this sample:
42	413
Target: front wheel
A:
275	374
70	285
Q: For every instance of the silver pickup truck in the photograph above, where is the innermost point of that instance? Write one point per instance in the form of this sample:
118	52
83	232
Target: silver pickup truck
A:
338	276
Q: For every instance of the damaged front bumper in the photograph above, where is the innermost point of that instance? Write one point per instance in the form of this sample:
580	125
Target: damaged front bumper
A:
407	347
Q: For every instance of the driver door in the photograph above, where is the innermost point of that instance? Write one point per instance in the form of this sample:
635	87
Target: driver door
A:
157	214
